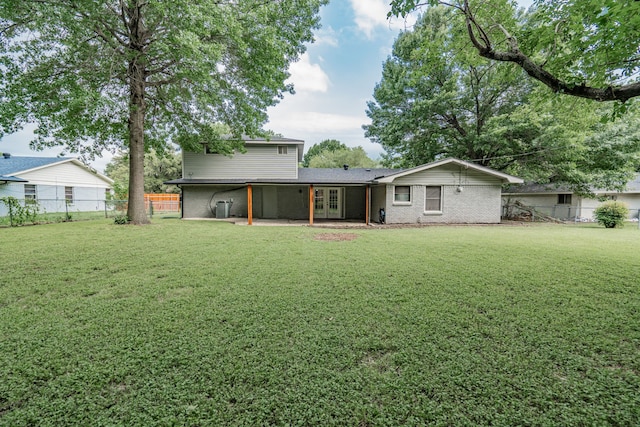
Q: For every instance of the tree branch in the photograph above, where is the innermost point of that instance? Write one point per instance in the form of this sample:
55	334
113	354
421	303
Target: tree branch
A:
483	45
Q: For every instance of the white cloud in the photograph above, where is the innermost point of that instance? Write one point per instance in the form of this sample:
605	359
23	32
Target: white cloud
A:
371	14
326	36
311	122
308	77
314	127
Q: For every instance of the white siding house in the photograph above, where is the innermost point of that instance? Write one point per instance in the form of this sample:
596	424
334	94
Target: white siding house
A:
57	184
562	203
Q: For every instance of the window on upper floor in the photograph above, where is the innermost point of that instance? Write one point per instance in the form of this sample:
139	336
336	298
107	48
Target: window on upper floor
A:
433	199
564	199
402	194
282	149
30	193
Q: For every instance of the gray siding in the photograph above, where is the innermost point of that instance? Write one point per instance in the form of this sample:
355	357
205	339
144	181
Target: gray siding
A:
378	201
475	204
293	202
259	162
354	203
198	201
448	175
269	202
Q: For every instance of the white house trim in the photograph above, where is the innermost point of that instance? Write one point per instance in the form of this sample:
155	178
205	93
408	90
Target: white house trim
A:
508	178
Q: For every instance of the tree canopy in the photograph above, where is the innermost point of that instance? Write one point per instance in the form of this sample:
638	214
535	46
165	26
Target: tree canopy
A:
585	48
354	157
437	99
158	168
324	146
135	74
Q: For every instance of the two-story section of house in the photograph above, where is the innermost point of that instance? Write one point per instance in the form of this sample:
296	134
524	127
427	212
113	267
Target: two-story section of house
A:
222	186
266	182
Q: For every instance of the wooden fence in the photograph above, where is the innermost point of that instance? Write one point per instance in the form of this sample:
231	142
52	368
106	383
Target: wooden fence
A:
163	202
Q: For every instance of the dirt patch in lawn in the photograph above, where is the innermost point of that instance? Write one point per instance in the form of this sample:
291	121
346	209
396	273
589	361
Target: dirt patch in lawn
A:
335	237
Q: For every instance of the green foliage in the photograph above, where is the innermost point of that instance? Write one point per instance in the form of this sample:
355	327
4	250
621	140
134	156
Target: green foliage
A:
221	62
121	220
553	39
158	168
438	99
192	333
611	214
327	145
119	193
21	214
354	157
140	74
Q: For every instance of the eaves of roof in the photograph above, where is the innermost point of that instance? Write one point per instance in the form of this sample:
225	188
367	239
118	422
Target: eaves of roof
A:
18	165
306	176
5	179
467	165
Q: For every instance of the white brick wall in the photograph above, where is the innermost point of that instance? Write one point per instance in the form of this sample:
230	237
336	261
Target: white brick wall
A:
475	204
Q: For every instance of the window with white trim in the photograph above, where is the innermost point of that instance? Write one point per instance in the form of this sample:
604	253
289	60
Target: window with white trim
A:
433	199
402	194
68	194
282	149
30	193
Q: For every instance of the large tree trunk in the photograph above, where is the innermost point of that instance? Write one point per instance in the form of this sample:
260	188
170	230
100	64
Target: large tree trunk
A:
137	107
136	211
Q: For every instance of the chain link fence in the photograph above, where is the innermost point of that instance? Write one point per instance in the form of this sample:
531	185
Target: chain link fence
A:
21	211
555	213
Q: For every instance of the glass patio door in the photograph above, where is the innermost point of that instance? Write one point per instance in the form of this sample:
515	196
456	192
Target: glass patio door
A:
328	203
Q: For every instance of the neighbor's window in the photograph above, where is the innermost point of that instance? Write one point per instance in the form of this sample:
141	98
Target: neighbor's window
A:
30	193
68	194
402	194
564	199
282	149
433	199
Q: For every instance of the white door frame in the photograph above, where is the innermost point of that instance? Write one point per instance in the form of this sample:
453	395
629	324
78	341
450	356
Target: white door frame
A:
328	202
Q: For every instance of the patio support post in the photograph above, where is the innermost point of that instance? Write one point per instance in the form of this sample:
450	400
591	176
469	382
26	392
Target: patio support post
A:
249	205
310	204
367	207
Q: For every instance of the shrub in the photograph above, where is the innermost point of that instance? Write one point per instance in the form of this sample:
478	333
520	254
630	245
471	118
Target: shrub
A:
121	219
19	214
611	214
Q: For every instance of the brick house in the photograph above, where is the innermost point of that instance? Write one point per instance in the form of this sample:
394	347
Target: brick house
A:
265	182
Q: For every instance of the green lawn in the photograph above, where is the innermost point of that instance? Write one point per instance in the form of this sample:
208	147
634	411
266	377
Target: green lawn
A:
205	323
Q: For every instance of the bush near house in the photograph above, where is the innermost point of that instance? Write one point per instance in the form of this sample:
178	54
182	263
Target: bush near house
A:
611	214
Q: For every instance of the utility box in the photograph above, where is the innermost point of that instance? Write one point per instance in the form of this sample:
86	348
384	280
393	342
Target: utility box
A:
222	209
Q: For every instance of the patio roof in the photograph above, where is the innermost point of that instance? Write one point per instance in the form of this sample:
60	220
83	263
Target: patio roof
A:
306	176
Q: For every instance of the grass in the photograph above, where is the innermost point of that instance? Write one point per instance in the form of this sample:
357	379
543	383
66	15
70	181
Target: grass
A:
204	323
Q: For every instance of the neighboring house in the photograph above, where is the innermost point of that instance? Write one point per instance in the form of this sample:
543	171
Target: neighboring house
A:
56	184
265	182
560	202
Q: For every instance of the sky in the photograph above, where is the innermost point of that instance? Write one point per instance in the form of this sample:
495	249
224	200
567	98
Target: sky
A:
333	80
